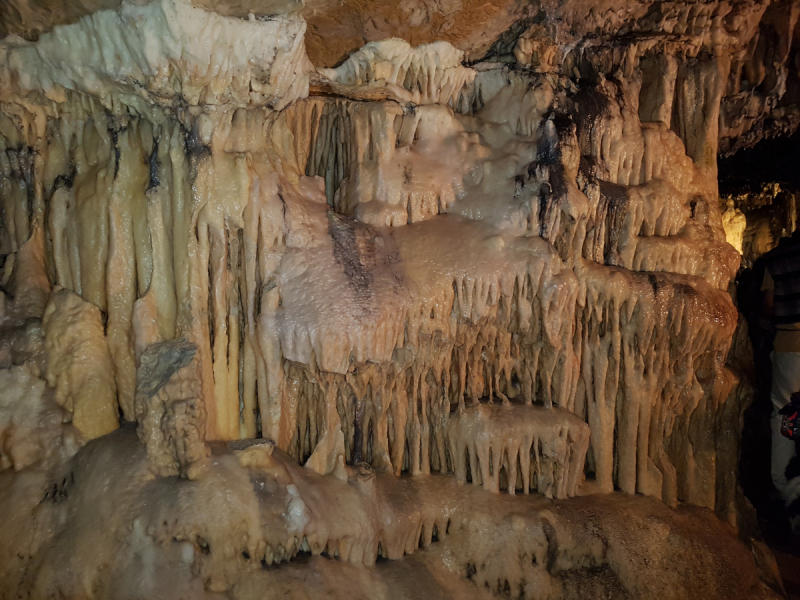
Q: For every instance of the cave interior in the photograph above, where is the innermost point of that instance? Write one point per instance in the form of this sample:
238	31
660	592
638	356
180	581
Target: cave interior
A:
416	299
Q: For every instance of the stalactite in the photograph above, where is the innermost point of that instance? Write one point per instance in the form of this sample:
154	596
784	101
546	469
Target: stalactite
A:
516	275
525	447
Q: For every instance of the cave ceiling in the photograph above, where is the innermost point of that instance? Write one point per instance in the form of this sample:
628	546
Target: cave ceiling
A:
756	39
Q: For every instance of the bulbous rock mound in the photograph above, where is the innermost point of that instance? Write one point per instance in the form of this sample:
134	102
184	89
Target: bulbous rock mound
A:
279	279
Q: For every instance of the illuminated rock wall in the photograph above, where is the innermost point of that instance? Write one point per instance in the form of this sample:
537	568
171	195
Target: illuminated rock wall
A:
361	255
335	269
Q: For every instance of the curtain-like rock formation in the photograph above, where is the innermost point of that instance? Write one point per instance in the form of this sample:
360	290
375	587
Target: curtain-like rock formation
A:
404	260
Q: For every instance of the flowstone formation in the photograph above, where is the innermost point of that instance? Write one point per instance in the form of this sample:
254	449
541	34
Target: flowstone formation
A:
328	285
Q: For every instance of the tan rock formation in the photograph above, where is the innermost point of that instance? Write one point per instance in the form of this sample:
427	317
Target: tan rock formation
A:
79	364
373	239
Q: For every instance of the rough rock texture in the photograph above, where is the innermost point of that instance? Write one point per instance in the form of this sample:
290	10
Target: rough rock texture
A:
488	438
448	233
169	407
337	29
31	428
79	364
252	524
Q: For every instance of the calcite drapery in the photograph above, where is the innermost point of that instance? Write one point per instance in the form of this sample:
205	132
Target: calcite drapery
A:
556	255
489	438
362	258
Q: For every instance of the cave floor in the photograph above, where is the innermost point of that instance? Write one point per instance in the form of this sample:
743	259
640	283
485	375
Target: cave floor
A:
116	529
786	549
789	565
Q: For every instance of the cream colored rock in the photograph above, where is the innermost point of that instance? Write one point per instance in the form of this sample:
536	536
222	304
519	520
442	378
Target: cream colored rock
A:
735	224
431	73
530	447
79	364
342	281
33	428
159	51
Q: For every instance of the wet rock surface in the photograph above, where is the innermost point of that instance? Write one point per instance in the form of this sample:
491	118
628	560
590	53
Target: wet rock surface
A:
338	259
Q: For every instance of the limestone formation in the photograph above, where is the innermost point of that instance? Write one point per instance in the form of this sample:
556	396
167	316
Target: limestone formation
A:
336	259
31	423
169	408
490	440
79	365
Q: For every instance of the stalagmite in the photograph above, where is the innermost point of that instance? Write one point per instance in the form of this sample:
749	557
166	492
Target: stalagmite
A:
327	295
170	409
79	364
735	224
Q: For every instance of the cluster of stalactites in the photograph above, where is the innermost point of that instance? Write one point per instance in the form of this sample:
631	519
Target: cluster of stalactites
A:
519	447
386	165
428	74
394	415
652	366
117	228
620	376
651	207
485	339
320	324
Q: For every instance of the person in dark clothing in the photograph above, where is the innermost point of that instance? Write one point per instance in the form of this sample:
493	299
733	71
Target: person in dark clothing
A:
781	287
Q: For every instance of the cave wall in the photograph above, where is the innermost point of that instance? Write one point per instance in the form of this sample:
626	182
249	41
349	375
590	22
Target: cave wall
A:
363	249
